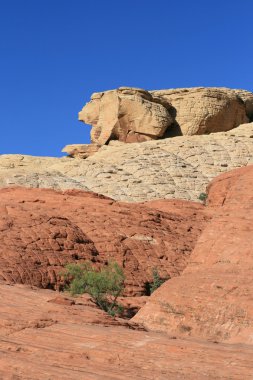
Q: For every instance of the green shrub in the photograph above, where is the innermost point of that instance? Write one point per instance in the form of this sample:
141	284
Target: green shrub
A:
157	280
203	197
104	286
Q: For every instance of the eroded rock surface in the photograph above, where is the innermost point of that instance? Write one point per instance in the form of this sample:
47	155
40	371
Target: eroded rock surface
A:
212	299
44	339
203	110
43	230
135	115
126	114
179	167
81	150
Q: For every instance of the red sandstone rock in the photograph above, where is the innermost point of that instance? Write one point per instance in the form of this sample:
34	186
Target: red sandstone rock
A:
41	340
213	297
62	301
42	230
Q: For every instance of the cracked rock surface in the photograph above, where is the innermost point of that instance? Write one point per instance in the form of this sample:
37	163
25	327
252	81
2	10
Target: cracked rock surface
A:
135	115
43	230
179	167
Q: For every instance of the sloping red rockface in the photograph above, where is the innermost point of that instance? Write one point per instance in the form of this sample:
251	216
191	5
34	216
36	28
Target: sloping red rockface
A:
42	230
213	297
43	337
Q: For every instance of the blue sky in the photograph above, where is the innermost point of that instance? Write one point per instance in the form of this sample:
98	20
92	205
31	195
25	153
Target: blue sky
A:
55	53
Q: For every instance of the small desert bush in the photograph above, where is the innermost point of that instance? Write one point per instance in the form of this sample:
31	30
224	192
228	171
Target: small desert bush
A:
156	282
203	197
104	285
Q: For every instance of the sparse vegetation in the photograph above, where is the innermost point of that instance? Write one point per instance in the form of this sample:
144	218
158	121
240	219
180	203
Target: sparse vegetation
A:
156	282
203	197
104	286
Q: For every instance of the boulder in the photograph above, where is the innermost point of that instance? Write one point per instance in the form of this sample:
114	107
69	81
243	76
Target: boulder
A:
203	110
126	114
135	115
247	98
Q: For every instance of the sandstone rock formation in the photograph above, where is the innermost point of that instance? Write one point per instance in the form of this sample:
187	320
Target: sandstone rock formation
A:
179	167
198	324
200	312
126	114
203	110
81	150
212	299
43	230
44	338
135	115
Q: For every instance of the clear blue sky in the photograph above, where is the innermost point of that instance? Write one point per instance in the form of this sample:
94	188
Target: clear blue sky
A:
55	53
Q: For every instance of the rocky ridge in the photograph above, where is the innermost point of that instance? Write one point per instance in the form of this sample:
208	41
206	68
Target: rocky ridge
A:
135	115
178	168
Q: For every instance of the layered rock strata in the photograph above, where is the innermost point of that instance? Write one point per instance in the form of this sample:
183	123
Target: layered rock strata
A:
212	299
179	167
44	337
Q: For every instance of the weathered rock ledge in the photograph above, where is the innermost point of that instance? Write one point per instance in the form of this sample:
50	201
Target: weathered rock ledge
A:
178	168
136	115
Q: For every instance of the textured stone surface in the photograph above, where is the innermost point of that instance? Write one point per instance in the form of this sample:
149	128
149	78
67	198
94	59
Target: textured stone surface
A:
126	114
81	150
135	115
203	110
247	98
42	340
42	230
178	167
212	299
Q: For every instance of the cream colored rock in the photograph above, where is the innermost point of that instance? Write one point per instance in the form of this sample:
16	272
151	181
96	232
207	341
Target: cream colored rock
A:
247	98
135	115
203	110
178	167
81	150
126	114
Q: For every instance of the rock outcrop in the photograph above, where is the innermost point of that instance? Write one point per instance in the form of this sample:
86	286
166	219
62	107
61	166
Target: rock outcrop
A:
212	299
179	167
135	115
48	337
204	110
126	114
43	230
